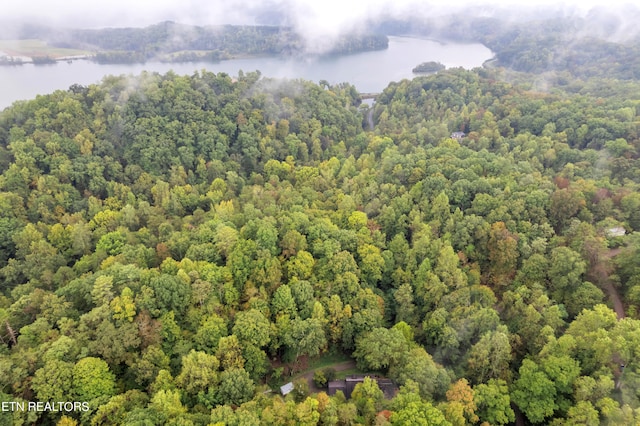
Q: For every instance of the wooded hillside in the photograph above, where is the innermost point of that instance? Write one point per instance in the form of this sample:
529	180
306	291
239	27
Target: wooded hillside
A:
168	244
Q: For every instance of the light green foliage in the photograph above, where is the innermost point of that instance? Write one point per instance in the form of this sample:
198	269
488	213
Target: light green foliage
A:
102	291
67	421
419	414
118	406
618	147
229	352
115	343
267	236
223	415
241	262
534	269
305	337
493	402
289	412
418	367
368	398
447	269
268	270
111	243
54	381
586	296
169	332
357	220
171	293
307	412
199	372
92	379
63	349
380	348
147	368
168	403
253	327
583	413
302	292
283	303
406	308
163	381
300	266
626	335
235	387
319	379
631	208
532	316
209	333
586	388
123	307
503	253
565	271
300	389
490	357
534	393
593	341
256	362
562	371
225	238
25	238
371	263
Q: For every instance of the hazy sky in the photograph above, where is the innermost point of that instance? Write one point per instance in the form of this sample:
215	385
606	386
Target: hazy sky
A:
318	13
315	20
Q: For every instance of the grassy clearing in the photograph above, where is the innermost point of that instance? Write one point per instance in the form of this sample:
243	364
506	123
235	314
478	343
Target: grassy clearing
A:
354	371
37	48
326	360
311	365
308	367
319	363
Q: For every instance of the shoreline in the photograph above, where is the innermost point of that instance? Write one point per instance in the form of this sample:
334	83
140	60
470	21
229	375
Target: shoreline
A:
392	64
10	60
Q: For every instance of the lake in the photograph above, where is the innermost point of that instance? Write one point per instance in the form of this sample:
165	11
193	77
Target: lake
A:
368	71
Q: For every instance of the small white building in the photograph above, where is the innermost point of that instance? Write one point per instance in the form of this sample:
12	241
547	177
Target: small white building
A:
285	389
617	231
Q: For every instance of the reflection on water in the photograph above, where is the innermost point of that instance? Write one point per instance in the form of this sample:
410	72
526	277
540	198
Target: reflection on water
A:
368	71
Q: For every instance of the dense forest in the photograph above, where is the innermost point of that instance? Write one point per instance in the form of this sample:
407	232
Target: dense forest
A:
173	42
173	247
602	43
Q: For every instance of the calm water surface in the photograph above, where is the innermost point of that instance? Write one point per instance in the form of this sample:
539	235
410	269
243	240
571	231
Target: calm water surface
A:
368	71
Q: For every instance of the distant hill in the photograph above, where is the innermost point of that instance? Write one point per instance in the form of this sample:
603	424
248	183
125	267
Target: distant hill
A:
601	43
178	42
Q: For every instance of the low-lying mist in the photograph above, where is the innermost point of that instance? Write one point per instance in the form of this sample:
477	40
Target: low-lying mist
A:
319	23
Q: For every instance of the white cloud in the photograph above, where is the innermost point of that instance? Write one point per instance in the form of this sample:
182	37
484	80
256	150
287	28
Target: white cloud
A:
314	18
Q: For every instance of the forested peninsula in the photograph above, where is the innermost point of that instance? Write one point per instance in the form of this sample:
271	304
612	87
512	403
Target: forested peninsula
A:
175	248
173	42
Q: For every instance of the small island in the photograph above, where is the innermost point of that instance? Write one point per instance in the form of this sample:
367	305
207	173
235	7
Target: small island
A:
428	67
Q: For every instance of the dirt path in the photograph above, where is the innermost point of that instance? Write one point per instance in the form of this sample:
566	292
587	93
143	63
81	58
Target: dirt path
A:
618	306
341	366
615	298
610	289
